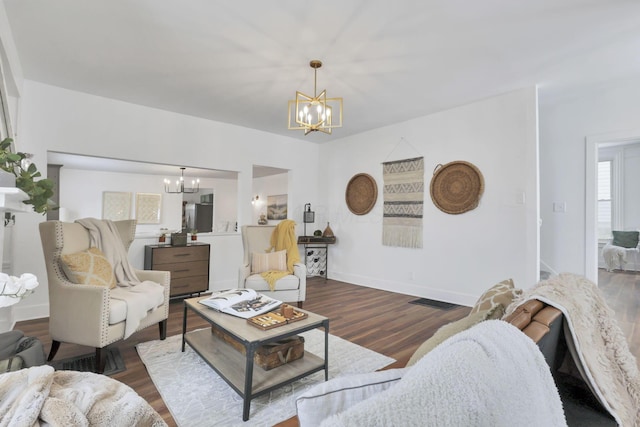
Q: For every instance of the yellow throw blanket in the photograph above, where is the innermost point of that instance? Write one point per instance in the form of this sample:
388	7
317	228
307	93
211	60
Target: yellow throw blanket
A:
283	238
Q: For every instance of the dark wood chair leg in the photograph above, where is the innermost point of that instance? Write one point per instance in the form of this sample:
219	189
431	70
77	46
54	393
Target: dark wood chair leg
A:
55	345
163	329
101	360
300	304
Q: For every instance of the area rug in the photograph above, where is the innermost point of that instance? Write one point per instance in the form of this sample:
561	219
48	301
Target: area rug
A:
87	363
197	396
433	303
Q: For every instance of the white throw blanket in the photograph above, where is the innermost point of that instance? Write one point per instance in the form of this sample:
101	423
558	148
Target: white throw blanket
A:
40	396
489	375
140	297
615	256
597	343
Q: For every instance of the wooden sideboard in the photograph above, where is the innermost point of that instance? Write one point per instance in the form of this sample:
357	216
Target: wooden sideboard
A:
189	266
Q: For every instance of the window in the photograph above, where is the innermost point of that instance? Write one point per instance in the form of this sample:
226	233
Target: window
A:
605	203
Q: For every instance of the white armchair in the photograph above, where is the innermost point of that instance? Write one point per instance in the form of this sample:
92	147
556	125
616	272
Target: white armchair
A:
291	288
85	314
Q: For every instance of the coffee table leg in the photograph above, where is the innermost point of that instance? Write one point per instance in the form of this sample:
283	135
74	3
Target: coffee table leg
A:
248	382
326	351
184	326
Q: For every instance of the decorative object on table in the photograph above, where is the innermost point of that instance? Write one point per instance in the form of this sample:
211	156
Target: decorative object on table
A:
263	220
456	187
308	216
163	235
328	232
194	234
286	310
273	319
317	233
19	164
403	202
148	208
178	239
116	205
316	113
277	207
361	194
13	289
180	188
270	355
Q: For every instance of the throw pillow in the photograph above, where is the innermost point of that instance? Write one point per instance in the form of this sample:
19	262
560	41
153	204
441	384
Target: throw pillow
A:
502	293
341	393
625	239
268	261
452	329
89	267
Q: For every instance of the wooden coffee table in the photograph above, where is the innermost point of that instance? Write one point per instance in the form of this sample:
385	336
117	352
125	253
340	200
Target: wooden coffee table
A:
248	380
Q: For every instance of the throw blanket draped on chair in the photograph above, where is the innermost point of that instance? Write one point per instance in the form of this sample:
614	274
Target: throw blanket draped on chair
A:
140	297
596	342
283	238
489	375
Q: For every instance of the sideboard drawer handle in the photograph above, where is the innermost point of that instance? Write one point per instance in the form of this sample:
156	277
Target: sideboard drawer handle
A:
181	255
180	271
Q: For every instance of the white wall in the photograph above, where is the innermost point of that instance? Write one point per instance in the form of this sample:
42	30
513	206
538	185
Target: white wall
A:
66	121
565	124
463	254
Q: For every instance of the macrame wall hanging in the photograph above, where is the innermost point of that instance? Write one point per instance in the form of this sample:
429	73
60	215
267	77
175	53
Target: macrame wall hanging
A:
403	202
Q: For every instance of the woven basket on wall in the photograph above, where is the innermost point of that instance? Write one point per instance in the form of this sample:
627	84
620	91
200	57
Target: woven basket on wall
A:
456	187
361	194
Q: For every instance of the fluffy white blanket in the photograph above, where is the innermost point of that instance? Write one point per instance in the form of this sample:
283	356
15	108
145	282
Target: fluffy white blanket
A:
40	396
597	343
616	256
489	375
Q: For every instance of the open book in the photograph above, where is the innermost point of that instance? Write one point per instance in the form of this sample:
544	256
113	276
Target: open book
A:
243	303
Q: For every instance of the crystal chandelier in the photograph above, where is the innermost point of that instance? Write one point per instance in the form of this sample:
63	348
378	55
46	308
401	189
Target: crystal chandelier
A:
180	188
317	112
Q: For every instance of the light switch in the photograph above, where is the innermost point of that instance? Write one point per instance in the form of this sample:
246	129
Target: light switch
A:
560	207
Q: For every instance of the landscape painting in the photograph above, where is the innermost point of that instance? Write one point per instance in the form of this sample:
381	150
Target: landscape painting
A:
277	207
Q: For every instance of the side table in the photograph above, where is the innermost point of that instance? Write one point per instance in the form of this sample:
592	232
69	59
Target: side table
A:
316	254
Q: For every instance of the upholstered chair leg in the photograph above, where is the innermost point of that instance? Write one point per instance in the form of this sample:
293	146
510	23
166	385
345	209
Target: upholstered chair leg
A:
300	304
55	345
101	360
163	329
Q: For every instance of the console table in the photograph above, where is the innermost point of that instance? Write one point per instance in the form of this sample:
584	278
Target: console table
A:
188	265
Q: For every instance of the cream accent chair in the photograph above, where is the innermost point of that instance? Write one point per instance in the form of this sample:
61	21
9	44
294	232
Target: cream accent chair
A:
291	288
84	314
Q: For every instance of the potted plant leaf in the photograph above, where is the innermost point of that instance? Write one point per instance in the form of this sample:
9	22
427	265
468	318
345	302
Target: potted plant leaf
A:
39	192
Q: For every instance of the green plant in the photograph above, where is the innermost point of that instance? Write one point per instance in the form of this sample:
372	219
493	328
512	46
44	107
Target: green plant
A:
39	192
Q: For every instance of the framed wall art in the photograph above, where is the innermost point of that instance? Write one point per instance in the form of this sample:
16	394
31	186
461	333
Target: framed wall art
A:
277	207
116	205
148	208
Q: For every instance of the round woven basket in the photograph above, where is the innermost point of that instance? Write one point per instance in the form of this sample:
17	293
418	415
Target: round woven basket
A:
361	194
456	187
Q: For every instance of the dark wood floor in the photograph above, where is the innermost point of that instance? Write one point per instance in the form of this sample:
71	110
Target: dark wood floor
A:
382	321
621	291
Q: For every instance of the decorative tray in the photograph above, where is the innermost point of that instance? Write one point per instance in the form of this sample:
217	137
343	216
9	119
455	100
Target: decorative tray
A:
273	319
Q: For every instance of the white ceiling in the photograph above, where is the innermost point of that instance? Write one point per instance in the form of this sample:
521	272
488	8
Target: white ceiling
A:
240	61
